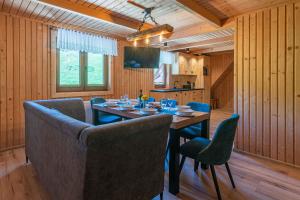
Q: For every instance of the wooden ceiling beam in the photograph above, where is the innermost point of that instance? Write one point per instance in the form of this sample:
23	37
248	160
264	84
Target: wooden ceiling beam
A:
193	30
215	49
201	11
201	43
109	17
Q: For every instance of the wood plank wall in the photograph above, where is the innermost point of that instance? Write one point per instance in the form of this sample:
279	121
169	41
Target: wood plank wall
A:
222	79
25	74
130	81
267	82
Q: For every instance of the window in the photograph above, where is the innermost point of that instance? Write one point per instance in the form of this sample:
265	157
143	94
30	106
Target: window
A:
160	76
81	71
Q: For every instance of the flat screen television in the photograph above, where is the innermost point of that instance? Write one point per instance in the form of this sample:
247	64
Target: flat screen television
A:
141	57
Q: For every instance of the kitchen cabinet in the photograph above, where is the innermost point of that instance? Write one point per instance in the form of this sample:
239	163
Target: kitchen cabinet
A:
186	97
185	64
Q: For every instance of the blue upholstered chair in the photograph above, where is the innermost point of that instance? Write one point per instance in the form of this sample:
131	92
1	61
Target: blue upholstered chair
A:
151	99
194	130
213	152
99	117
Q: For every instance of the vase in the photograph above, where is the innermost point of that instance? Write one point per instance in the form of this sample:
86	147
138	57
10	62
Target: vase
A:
143	104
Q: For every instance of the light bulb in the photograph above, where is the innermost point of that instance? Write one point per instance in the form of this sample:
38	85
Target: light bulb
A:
160	37
147	41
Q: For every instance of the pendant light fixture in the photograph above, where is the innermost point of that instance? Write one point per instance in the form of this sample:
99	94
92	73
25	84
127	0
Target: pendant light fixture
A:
158	30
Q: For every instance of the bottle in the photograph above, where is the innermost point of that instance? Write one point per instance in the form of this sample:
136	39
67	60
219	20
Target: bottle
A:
141	94
140	98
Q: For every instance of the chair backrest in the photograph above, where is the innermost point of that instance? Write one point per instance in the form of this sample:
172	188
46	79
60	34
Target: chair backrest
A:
96	114
201	107
96	100
151	99
219	150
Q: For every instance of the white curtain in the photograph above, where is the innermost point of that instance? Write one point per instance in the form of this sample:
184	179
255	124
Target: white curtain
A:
167	57
74	40
160	73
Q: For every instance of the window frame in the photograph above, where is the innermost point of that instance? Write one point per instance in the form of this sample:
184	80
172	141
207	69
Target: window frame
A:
83	76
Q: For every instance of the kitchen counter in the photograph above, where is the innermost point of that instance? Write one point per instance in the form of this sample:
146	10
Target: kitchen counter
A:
175	90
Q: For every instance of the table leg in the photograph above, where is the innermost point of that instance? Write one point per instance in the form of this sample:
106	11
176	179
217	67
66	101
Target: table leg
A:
205	134
174	162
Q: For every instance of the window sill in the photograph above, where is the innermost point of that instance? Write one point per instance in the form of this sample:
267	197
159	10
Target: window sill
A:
80	94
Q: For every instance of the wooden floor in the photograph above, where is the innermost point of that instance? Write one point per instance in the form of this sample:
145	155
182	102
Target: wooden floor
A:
255	178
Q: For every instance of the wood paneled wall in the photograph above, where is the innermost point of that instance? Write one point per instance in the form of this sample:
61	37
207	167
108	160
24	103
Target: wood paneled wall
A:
267	82
130	81
25	74
222	79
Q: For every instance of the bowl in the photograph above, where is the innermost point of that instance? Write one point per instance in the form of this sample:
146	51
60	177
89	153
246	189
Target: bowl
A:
155	104
148	111
183	107
185	112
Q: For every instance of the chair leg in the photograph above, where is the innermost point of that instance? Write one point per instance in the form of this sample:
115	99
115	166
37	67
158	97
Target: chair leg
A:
196	165
230	176
167	150
181	164
27	159
161	195
212	169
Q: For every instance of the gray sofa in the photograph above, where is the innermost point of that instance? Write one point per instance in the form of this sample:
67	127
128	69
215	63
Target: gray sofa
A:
76	160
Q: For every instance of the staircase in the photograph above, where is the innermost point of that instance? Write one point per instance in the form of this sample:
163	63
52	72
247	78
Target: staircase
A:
222	88
222	76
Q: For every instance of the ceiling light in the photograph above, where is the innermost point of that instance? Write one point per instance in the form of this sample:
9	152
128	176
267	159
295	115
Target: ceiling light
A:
158	30
152	32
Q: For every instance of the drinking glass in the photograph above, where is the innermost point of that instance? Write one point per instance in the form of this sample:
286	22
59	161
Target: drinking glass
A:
163	104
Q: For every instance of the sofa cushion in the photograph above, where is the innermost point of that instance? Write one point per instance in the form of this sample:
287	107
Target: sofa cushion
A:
72	107
67	124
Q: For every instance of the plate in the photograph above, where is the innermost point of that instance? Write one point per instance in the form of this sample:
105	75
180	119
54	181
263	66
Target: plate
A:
148	111
183	107
124	108
110	104
184	114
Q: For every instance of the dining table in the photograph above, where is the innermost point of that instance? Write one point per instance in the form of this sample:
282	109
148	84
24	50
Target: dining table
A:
178	123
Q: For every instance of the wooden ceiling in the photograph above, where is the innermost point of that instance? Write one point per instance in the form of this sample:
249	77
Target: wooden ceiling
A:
229	8
197	23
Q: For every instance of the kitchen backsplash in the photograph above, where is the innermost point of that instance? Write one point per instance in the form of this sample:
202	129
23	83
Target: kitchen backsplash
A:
182	79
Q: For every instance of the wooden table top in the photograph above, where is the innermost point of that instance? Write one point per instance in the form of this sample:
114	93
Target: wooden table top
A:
178	121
